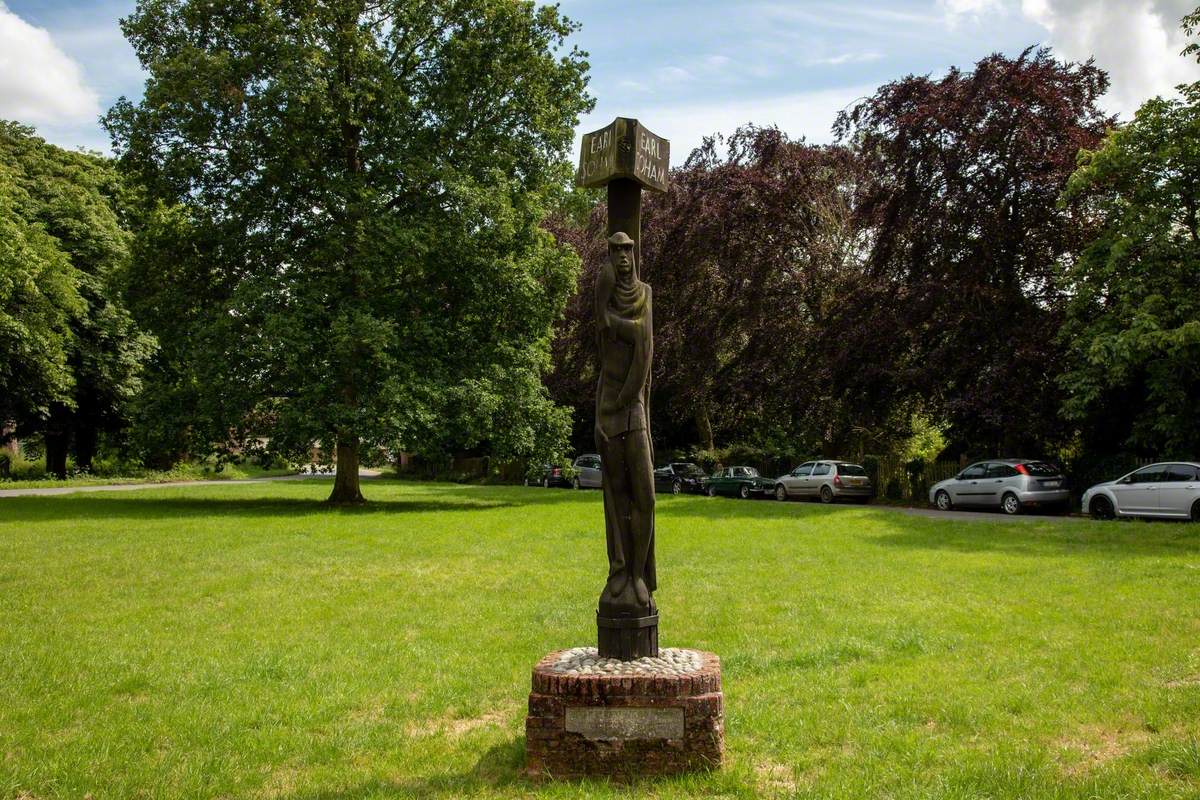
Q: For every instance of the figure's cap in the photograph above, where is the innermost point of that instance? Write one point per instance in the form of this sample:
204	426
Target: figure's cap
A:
620	238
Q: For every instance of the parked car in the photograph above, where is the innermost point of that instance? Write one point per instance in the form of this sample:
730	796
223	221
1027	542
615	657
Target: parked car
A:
743	482
1159	490
1010	484
553	475
588	472
826	481
679	477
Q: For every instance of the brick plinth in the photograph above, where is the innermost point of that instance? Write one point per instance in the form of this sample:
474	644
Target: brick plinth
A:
612	743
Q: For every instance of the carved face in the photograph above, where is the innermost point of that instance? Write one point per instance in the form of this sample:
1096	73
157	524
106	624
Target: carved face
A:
622	258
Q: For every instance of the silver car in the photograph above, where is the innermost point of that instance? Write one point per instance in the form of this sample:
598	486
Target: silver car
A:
588	472
1010	484
1159	490
826	481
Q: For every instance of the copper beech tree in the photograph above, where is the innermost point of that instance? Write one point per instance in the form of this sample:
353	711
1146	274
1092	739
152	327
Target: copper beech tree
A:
355	189
814	298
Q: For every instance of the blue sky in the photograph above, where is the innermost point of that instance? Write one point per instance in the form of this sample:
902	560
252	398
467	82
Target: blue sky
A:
686	68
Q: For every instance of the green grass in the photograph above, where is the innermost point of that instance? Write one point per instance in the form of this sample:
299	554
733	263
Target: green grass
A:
247	641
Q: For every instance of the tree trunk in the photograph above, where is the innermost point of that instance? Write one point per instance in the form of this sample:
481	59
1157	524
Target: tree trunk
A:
56	451
704	424
85	447
345	482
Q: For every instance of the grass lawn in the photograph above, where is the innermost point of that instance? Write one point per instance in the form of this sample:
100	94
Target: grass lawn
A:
246	641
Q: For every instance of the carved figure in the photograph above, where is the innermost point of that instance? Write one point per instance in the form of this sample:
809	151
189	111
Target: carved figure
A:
625	333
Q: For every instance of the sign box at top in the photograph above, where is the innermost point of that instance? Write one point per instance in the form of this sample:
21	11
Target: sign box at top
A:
624	149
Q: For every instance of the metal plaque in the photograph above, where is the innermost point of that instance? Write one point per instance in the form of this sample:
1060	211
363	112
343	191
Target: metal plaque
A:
625	722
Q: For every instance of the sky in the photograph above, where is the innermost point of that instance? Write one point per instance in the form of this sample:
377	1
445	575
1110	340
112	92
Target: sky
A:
685	68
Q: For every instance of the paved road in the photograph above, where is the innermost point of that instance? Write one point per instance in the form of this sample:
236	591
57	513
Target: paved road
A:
128	487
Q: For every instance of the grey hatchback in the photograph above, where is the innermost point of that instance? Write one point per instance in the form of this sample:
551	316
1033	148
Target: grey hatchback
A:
1009	484
826	481
589	473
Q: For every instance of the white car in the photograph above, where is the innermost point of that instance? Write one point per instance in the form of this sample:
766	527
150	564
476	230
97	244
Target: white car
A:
1169	489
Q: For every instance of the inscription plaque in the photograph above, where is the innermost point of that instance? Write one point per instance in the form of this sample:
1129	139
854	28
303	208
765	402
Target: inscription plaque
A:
624	149
625	722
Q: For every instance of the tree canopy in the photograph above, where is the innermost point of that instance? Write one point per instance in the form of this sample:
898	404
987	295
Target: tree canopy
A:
359	187
85	365
1132	329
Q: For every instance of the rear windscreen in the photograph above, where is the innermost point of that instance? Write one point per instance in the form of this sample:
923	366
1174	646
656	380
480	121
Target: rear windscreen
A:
1041	469
851	469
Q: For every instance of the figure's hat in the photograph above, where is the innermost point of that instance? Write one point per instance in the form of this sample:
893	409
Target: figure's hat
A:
620	238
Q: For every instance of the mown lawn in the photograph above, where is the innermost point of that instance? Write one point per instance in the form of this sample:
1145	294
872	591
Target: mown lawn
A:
246	641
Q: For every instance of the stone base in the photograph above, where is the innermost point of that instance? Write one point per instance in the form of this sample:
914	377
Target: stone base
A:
659	721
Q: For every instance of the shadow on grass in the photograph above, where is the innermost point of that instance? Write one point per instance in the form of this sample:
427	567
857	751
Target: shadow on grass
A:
1129	539
151	507
499	767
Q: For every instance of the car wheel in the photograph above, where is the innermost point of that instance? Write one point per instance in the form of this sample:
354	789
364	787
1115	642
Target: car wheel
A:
1102	508
744	492
1196	511
1010	504
676	487
942	501
781	492
711	491
575	484
826	494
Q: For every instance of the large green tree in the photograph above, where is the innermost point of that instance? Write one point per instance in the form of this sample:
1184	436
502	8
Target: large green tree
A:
1133	322
361	186
38	300
75	199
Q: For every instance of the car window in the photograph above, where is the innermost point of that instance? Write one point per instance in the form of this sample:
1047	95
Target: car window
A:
1041	469
1148	474
687	469
1001	471
803	470
851	469
974	472
744	472
1181	472
821	469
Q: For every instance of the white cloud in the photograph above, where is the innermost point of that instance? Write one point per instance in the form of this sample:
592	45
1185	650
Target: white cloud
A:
673	75
809	114
39	83
848	58
957	10
969	6
1136	41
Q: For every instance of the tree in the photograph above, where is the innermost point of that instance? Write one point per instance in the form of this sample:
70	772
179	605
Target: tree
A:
962	208
360	186
1132	329
38	300
748	252
75	198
